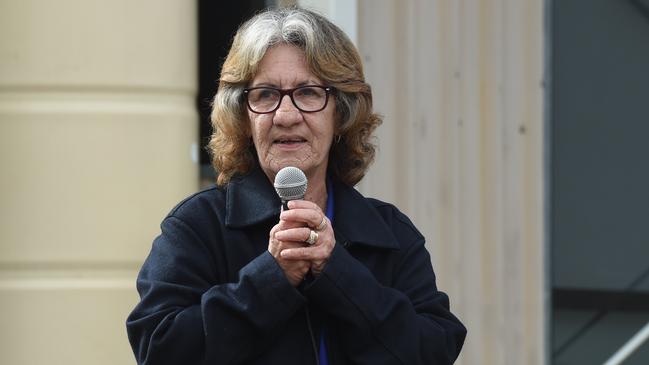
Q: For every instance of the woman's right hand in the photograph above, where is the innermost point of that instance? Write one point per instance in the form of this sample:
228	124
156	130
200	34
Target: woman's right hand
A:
295	270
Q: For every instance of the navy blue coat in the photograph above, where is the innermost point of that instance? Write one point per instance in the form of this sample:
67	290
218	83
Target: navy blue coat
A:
212	294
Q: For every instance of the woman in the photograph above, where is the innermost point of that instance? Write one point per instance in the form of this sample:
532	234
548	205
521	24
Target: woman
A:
337	278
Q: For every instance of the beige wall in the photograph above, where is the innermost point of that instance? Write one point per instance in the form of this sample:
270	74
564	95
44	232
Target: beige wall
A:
97	124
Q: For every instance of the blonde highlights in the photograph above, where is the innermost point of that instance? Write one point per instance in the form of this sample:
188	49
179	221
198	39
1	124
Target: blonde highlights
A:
330	56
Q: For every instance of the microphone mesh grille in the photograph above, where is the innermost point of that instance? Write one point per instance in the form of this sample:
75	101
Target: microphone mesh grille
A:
290	183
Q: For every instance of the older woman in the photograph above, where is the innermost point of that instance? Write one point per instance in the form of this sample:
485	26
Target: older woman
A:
232	279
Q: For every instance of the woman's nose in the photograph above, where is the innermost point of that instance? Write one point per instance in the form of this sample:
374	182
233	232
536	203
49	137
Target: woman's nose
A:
287	114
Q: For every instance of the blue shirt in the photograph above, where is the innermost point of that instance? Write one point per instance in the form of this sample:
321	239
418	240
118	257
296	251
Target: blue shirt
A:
322	353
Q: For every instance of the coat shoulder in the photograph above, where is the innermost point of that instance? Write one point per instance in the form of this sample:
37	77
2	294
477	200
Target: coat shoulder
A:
400	224
207	202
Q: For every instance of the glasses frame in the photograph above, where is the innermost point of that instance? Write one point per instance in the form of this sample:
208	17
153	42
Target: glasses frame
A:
283	92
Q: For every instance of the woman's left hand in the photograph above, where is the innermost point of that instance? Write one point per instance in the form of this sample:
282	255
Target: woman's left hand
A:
309	213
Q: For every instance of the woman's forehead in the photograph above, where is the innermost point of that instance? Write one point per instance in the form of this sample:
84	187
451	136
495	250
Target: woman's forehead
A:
283	65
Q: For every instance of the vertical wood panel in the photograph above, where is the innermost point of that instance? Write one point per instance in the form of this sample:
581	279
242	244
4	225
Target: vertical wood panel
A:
381	58
459	83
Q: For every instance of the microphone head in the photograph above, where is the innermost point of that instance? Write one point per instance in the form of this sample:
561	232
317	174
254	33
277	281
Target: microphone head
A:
290	183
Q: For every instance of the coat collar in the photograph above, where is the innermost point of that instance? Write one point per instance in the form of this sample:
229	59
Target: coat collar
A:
252	200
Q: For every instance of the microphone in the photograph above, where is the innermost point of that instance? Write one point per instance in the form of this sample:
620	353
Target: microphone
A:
290	184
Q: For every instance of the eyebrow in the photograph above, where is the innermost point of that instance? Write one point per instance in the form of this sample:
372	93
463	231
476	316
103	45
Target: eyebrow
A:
303	83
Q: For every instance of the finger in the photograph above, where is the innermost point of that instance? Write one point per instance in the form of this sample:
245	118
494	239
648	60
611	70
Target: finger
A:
314	253
294	234
311	217
282	245
324	223
303	204
284	224
274	230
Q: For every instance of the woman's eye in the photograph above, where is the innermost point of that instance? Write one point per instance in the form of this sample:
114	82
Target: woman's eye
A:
309	91
266	94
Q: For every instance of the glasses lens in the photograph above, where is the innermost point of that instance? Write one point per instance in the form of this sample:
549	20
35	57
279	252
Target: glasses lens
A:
310	98
263	100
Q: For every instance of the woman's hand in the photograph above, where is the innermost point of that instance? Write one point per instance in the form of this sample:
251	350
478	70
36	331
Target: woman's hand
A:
295	270
303	217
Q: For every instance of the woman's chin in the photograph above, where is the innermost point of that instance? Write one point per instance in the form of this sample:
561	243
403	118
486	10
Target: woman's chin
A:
289	163
275	166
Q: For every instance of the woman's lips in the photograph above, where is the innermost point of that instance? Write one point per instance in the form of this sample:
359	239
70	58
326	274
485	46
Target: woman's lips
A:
289	143
289	140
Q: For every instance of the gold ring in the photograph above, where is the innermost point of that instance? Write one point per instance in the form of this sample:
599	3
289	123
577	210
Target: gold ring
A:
313	237
322	224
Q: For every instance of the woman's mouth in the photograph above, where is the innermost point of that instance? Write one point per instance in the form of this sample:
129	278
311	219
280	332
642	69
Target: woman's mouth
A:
289	144
290	141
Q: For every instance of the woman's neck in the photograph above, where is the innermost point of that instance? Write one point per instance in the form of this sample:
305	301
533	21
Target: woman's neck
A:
317	192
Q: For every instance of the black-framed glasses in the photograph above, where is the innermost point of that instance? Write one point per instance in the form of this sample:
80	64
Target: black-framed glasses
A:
307	98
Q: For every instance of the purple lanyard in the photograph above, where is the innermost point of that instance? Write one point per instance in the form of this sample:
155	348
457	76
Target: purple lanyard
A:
322	353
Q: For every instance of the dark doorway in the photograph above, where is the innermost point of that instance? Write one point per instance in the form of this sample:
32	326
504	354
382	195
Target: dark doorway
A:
217	23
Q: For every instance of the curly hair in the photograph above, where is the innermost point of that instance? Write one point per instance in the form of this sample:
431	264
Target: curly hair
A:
330	56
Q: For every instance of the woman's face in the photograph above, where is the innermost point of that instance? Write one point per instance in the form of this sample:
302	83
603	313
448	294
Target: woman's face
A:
288	136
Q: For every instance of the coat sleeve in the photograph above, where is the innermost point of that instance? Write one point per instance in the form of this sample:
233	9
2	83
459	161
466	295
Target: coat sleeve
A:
183	317
407	323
